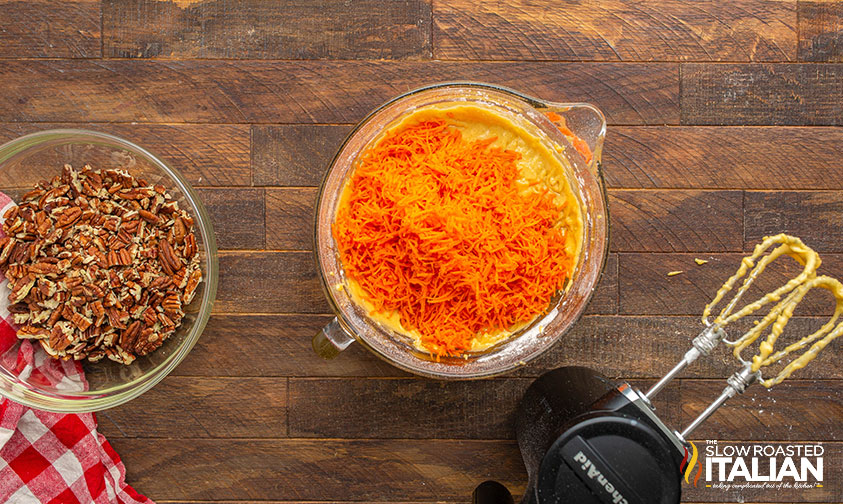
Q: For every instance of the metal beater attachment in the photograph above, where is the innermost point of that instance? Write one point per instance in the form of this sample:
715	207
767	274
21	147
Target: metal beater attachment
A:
786	298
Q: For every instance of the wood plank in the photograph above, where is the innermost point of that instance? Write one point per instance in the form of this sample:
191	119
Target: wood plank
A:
676	221
738	492
237	215
201	408
285	282
641	347
404	408
816	217
756	94
290	218
645	288
340	92
269	282
272	346
605	298
797	410
820	30
634	156
261	30
194	470
625	30
50	29
295	154
207	154
619	347
416	408
306	470
724	158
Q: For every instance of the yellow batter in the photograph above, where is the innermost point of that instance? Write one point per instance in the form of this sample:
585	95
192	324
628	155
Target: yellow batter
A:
541	168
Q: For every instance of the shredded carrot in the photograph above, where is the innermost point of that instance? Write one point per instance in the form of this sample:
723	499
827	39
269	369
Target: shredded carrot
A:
434	227
579	144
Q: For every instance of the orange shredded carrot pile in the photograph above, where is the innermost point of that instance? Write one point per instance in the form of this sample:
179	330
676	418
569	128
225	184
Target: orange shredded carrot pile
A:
435	228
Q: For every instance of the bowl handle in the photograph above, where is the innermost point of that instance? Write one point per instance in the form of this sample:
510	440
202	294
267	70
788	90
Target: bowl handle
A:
583	125
331	340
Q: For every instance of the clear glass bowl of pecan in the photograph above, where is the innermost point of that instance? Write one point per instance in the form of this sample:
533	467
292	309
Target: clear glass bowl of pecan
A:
143	281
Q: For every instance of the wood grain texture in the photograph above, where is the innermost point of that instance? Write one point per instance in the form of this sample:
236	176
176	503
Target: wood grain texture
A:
394	471
206	154
605	298
274	346
645	288
269	282
689	157
642	347
795	410
631	347
307	91
290	218
296	154
314	470
676	221
254	29
50	29
408	408
237	215
625	30
762	94
414	408
685	157
814	216
202	408
820	30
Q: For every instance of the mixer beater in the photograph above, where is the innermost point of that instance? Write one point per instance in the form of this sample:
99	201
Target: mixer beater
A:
785	299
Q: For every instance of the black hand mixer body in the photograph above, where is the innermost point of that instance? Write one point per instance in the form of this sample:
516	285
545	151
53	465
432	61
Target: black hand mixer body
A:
587	440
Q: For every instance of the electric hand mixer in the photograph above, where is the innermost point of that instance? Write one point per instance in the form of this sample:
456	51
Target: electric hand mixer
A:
585	439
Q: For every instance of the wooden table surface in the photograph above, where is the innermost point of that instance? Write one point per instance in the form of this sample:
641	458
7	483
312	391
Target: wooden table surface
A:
724	126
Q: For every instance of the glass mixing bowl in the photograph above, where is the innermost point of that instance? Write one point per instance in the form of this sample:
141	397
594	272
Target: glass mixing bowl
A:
584	123
31	158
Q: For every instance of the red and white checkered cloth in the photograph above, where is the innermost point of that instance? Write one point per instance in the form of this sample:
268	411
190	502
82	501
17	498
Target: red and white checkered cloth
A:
52	457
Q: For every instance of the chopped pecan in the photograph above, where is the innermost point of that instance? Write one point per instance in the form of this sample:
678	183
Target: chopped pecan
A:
179	230
168	254
192	283
148	216
99	264
68	216
130	334
21	288
190	248
33	332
